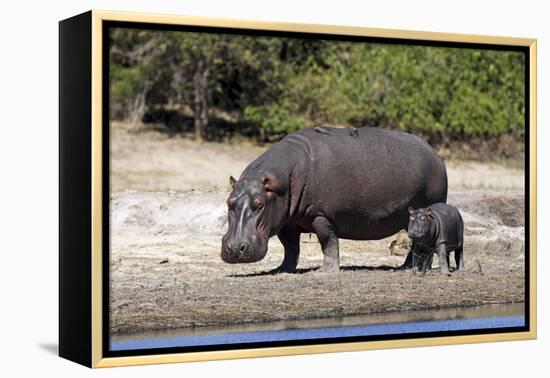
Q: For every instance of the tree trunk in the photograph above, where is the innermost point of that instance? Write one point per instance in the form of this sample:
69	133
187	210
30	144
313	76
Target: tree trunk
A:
200	82
263	135
136	110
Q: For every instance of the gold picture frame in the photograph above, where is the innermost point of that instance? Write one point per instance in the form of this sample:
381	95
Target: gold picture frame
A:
90	328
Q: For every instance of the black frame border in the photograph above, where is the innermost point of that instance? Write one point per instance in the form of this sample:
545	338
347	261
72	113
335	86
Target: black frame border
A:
107	25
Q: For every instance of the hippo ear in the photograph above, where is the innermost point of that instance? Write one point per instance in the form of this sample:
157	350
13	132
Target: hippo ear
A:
411	211
429	211
232	181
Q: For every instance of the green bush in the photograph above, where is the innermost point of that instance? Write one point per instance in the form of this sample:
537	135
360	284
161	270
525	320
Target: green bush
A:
283	84
274	119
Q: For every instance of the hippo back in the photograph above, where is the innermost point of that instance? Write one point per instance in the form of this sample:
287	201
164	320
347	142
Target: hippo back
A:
449	225
362	183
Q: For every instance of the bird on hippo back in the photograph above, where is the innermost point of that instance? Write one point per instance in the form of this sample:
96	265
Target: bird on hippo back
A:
332	184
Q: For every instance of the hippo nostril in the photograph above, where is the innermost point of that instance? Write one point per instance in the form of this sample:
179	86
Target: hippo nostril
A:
242	248
227	248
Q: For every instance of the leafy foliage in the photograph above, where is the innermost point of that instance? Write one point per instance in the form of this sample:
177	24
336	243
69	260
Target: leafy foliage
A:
283	84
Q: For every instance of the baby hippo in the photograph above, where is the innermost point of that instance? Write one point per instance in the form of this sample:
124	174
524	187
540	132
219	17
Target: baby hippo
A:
438	228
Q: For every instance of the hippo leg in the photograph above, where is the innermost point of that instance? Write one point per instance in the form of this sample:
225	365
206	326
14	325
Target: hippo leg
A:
417	258
426	262
415	261
290	239
329	243
443	258
421	260
408	263
459	258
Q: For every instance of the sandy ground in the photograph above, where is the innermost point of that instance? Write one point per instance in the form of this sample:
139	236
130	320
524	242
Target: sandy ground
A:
168	215
152	161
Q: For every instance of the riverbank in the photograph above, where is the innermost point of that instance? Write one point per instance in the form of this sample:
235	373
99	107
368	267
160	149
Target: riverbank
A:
166	270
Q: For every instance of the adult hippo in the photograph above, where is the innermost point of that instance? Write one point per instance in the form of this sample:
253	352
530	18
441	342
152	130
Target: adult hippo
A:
333	183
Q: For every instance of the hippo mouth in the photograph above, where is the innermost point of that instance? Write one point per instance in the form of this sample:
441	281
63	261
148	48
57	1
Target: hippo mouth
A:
414	235
244	254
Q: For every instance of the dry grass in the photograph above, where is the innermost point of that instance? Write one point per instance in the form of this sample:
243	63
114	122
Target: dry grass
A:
475	175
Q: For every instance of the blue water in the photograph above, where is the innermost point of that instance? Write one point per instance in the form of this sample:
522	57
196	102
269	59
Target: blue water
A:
319	333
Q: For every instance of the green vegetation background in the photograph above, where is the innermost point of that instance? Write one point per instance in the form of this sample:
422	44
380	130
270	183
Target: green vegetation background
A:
216	86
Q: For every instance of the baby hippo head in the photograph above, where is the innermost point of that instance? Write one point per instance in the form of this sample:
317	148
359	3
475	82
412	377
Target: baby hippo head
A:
420	222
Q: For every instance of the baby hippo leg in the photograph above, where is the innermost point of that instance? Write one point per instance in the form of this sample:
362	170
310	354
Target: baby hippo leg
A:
427	262
459	258
443	258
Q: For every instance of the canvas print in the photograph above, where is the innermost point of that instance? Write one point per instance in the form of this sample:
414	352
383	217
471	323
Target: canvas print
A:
283	189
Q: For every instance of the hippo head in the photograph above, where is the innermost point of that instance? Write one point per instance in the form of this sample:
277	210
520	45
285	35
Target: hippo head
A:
420	222
256	211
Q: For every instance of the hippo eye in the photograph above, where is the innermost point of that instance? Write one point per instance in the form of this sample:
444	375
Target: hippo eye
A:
257	204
